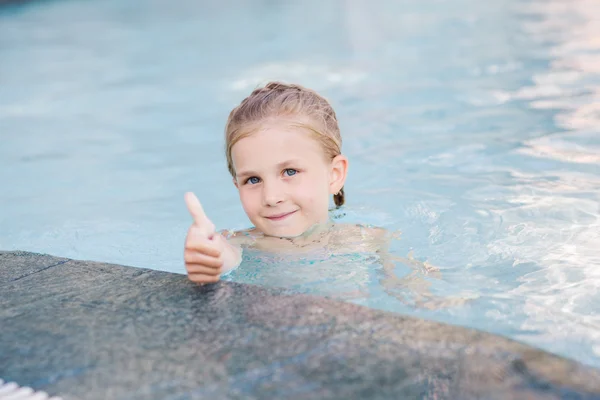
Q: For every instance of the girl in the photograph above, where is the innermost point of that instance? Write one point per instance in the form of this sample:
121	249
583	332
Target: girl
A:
283	149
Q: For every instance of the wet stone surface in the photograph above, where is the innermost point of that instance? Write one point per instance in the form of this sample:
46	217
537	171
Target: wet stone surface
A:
88	330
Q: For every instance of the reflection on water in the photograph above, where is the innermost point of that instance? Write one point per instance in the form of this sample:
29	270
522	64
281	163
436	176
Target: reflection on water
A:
471	127
554	213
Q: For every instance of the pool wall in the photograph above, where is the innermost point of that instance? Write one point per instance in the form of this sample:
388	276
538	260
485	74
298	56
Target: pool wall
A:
90	330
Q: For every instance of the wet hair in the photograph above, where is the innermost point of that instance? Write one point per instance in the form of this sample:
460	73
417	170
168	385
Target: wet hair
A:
279	100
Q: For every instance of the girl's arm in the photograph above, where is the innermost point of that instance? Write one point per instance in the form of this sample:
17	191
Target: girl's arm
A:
415	283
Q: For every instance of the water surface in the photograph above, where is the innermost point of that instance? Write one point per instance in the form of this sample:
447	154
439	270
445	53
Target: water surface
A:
471	127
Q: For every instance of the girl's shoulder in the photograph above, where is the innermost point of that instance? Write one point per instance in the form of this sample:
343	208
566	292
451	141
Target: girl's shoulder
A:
365	231
365	237
362	238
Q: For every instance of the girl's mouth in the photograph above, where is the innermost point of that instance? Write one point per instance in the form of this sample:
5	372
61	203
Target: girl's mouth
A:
280	217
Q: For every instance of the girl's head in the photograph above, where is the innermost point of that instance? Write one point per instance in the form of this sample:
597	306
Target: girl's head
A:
283	149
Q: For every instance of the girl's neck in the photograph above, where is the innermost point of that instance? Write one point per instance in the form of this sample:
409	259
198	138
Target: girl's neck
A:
315	233
315	230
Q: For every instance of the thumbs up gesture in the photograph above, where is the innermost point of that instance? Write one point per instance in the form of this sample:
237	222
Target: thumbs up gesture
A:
206	251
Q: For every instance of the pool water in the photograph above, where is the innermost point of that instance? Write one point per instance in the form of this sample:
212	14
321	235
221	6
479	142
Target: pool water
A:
472	128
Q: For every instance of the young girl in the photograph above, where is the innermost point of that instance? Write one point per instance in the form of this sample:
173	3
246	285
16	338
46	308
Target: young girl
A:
283	149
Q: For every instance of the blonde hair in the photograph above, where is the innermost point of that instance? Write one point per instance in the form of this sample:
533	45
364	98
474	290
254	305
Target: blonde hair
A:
278	99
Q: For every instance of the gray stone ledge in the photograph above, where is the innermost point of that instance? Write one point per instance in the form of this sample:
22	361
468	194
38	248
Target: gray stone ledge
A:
89	330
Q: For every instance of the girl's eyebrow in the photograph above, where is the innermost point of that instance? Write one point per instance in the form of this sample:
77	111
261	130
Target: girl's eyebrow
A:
281	165
245	174
288	163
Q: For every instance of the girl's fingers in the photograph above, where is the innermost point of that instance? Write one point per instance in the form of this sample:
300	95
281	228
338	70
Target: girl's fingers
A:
195	257
203	278
212	267
202	246
195	208
202	226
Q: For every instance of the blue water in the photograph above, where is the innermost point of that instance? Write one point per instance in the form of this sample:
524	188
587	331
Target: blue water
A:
472	128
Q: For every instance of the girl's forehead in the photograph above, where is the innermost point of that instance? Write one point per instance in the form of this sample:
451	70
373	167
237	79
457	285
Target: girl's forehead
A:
283	137
276	143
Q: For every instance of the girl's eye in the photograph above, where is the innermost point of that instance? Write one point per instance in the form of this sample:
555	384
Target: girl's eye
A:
290	172
253	180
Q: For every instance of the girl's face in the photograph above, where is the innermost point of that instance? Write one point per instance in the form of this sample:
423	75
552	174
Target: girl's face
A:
284	179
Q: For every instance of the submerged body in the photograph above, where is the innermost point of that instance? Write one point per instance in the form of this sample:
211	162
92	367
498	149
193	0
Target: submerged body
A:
343	261
332	259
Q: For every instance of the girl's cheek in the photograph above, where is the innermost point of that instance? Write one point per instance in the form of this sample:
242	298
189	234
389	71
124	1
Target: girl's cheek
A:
247	201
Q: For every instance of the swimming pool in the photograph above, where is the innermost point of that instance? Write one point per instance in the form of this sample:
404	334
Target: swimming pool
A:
471	128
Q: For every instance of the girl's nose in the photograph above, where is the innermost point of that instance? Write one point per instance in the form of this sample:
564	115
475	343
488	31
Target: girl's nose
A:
272	194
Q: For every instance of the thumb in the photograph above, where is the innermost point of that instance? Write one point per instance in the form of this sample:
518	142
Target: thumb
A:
197	212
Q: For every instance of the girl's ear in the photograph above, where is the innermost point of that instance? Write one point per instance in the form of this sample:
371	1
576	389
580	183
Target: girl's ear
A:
235	183
337	176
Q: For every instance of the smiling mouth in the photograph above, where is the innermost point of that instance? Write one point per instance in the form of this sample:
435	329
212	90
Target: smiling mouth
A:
280	217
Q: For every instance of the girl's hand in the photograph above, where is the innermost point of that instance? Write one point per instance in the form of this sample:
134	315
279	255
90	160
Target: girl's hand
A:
204	248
